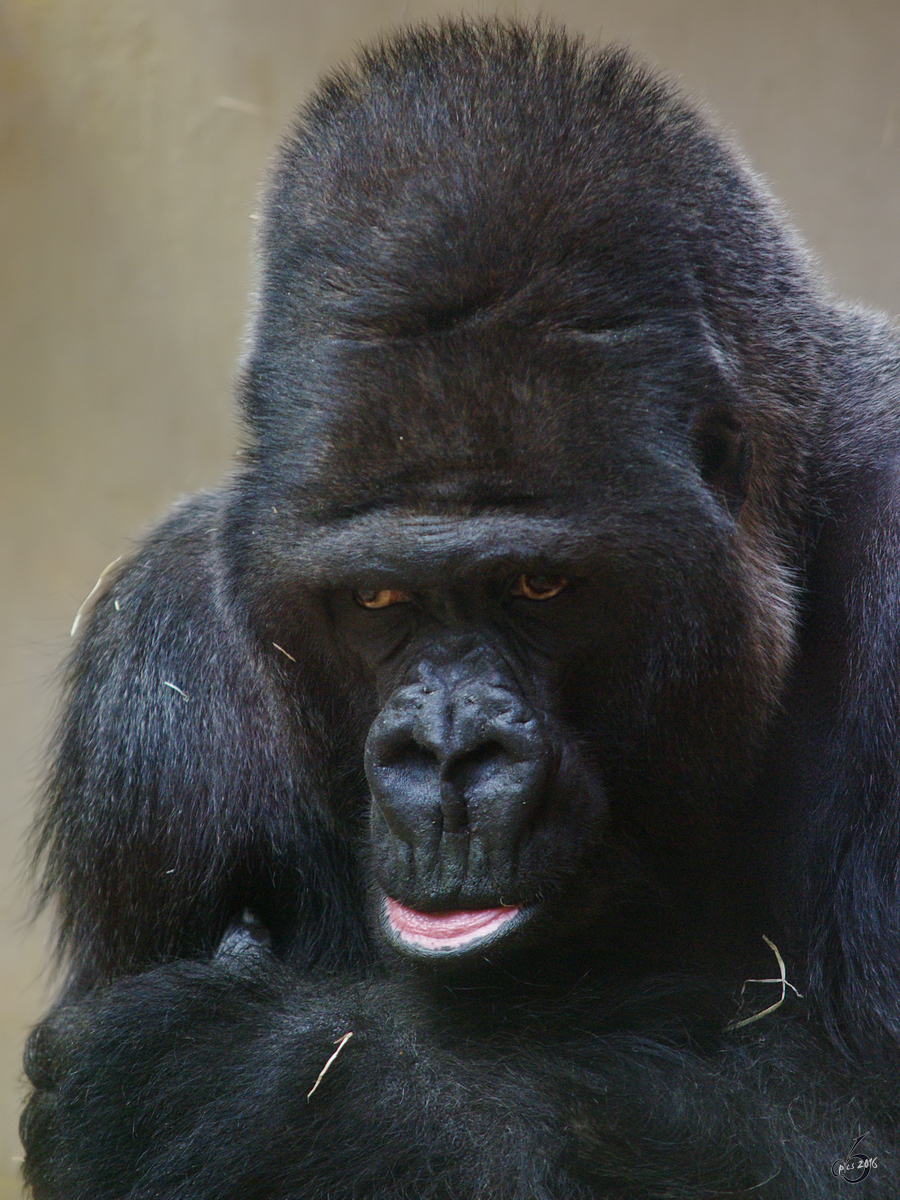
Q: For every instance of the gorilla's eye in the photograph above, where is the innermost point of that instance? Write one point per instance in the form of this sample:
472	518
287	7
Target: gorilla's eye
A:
539	587
381	597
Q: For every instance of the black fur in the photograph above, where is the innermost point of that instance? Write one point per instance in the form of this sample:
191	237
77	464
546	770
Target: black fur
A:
522	316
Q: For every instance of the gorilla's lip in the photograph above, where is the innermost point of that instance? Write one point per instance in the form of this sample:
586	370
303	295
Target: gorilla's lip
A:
447	932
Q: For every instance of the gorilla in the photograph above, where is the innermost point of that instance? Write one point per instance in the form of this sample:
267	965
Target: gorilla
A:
491	792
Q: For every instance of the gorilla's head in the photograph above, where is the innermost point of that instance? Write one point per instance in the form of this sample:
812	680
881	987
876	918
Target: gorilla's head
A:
517	459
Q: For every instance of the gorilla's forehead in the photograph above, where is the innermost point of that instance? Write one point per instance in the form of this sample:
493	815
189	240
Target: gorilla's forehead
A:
500	414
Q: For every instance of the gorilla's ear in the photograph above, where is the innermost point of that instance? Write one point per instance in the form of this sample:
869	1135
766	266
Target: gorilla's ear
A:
723	452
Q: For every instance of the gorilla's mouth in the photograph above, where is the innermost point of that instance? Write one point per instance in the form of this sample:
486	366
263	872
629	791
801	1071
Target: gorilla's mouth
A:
448	932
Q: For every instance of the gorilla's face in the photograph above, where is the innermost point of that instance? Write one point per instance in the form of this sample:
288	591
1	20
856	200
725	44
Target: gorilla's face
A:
569	653
483	802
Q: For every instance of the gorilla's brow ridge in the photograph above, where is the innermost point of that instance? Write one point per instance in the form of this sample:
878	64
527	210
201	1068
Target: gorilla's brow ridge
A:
381	544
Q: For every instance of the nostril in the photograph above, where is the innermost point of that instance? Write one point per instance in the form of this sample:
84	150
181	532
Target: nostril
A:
409	756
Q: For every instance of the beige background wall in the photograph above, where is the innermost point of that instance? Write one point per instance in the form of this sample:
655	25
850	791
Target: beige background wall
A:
133	136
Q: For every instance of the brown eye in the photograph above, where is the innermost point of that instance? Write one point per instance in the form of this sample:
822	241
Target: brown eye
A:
381	597
539	587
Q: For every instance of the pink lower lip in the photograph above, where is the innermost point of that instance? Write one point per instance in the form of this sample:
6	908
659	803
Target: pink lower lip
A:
446	930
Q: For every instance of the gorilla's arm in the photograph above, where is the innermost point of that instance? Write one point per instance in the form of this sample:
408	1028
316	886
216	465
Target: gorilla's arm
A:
188	781
193	1082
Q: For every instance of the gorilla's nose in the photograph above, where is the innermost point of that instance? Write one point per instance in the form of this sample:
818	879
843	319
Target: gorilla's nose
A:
472	758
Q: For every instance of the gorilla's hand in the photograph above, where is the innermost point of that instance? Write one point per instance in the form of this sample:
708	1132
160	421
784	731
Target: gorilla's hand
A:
160	1085
131	1080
